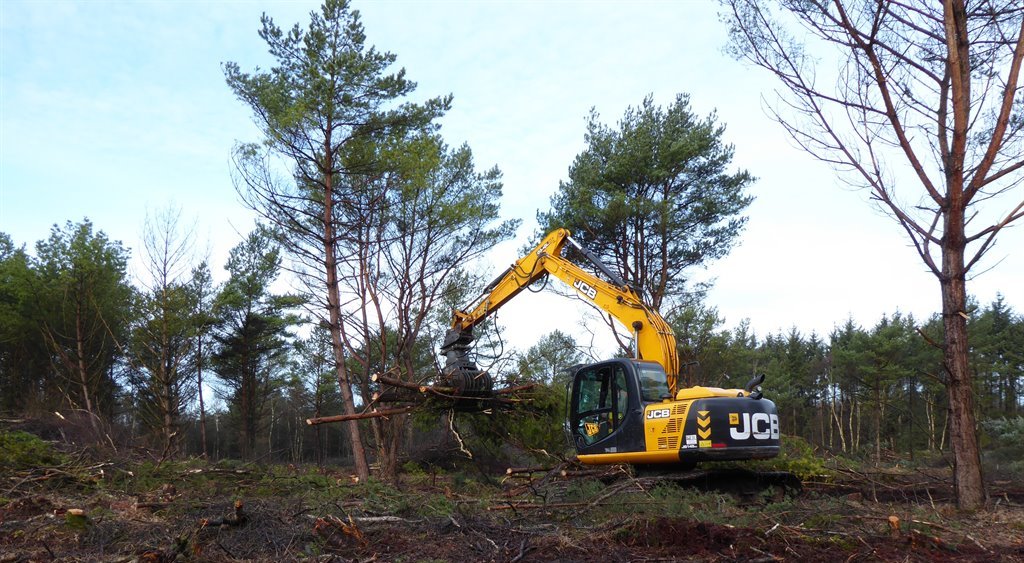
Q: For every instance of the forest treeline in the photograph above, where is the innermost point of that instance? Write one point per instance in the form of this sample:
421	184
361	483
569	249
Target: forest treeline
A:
123	359
880	388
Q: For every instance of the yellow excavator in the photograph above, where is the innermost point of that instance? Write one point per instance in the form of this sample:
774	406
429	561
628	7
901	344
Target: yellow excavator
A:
624	410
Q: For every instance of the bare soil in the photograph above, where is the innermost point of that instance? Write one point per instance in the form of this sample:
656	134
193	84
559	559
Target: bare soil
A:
135	510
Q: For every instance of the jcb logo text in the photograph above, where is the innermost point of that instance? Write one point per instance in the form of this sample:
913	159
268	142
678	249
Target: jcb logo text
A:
585	289
759	426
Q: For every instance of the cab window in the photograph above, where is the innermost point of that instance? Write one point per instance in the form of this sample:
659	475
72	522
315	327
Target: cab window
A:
653	382
602	399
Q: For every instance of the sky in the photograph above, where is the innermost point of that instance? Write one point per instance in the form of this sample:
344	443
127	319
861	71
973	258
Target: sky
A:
115	110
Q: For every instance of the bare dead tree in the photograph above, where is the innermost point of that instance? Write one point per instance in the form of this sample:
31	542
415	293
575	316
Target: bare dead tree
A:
926	112
202	293
162	342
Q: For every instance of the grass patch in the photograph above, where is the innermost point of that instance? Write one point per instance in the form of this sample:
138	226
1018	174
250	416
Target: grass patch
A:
21	450
676	501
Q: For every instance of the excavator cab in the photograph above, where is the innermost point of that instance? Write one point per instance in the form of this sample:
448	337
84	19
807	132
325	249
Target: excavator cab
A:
605	407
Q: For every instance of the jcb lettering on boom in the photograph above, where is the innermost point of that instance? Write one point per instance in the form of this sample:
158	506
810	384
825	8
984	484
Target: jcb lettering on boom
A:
585	289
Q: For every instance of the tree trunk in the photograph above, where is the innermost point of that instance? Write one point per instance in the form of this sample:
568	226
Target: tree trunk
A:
392	431
821	424
246	445
878	426
270	432
855	426
202	407
318	447
169	435
910	432
930	417
838	418
334	315
945	432
83	374
963	437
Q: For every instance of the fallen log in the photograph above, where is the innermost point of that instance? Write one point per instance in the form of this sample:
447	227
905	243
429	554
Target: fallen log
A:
394	396
570	474
381	378
359	416
198	471
447	393
515	389
512	470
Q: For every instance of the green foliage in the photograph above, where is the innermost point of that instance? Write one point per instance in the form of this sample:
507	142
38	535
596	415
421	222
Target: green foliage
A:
1007	442
997	357
697	343
413	469
21	450
797	457
549	359
24	356
583	490
653	197
327	81
252	333
676	501
83	310
533	429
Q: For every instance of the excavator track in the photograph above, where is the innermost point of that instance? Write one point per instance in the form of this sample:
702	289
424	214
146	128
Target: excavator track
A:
745	484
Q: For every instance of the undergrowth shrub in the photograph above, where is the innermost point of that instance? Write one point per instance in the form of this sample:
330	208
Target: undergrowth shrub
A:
1006	447
797	457
21	450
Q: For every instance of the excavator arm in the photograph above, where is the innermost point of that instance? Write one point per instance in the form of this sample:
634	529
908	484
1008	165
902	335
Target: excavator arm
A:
655	340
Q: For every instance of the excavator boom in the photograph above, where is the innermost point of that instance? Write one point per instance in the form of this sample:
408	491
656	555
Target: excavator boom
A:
655	340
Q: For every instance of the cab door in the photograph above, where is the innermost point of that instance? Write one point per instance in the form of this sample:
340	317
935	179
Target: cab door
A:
605	414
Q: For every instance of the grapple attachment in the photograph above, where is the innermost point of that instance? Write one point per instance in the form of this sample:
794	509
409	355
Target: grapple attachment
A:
460	372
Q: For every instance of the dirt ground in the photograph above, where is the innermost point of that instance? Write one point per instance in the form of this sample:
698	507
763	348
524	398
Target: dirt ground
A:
98	508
